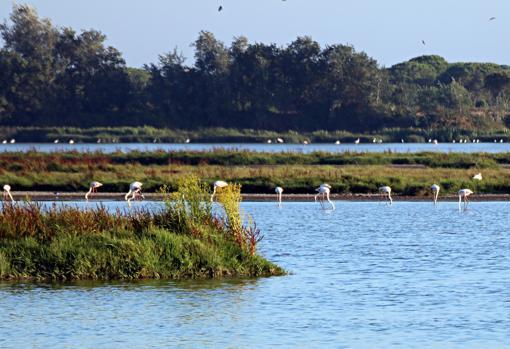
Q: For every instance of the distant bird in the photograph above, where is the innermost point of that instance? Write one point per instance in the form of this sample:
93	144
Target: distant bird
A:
430	140
4	141
435	141
7	192
98	140
464	193
220	8
269	141
386	190
56	141
492	18
12	141
453	141
279	191
337	142
217	184
501	141
279	140
324	191
323	185
71	141
374	140
357	141
423	42
478	176
135	189
187	140
93	188
402	141
435	191
305	142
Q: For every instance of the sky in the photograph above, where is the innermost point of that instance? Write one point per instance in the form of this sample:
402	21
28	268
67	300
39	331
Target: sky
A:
390	31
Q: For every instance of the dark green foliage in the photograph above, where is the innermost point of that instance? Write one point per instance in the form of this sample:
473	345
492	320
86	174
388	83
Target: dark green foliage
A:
55	76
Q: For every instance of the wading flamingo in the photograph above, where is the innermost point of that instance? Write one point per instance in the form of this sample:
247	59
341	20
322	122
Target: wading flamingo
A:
279	191
7	192
217	184
93	188
435	191
386	190
135	189
464	193
324	191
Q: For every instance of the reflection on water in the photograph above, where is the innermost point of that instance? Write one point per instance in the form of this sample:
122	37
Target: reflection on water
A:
264	147
365	275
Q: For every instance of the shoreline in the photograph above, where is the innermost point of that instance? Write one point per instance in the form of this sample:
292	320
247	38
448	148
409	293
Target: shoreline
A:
261	197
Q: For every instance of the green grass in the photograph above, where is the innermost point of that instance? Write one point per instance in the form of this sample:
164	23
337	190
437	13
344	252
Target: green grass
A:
257	172
184	240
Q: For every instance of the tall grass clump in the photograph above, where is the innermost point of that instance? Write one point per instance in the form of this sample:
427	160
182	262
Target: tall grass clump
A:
186	239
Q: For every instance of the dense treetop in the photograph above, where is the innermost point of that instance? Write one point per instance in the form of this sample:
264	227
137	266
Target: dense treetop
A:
56	76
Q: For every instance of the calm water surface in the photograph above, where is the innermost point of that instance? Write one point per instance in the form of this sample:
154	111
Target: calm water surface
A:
264	147
364	276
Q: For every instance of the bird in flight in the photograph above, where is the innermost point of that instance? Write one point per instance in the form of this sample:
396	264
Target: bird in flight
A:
220	8
423	42
492	18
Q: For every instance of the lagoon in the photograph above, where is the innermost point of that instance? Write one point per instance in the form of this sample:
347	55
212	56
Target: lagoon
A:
411	275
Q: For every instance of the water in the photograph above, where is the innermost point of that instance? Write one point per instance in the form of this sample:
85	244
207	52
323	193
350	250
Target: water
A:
264	147
367	275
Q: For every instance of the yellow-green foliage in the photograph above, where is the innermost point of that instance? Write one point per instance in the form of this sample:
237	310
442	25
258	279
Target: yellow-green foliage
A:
230	198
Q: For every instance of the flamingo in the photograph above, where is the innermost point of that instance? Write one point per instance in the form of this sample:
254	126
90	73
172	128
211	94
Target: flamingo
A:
435	141
464	193
324	191
357	141
478	176
134	189
279	191
93	188
386	190
435	190
323	185
7	192
217	184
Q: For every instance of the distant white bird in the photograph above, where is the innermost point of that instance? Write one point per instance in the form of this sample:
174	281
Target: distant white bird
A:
337	142
217	184
357	141
135	190
430	140
71	141
98	140
187	140
374	140
501	141
305	142
93	188
402	141
435	191
478	176
56	141
464	193
279	191
435	141
477	140
453	141
380	141
386	191
12	141
4	141
324	191
279	140
269	141
7	192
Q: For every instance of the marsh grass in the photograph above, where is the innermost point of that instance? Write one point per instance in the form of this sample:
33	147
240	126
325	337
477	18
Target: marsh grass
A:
183	240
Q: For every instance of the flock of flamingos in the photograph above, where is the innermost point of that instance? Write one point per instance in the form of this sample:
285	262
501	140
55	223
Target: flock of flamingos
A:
323	191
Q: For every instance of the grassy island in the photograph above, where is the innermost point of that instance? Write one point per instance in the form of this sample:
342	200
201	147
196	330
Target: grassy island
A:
184	240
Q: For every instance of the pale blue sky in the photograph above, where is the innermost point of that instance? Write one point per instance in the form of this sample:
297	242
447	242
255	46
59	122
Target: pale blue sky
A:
389	31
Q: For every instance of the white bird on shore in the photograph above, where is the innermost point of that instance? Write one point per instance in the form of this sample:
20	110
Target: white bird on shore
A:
435	141
386	190
135	189
478	176
269	141
324	191
435	191
56	141
374	140
4	141
187	140
93	188
501	141
217	184
279	191
337	142
71	141
7	192
464	193
279	140
305	142
357	141
12	141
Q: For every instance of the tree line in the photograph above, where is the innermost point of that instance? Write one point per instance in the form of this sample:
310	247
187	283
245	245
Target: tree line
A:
52	76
